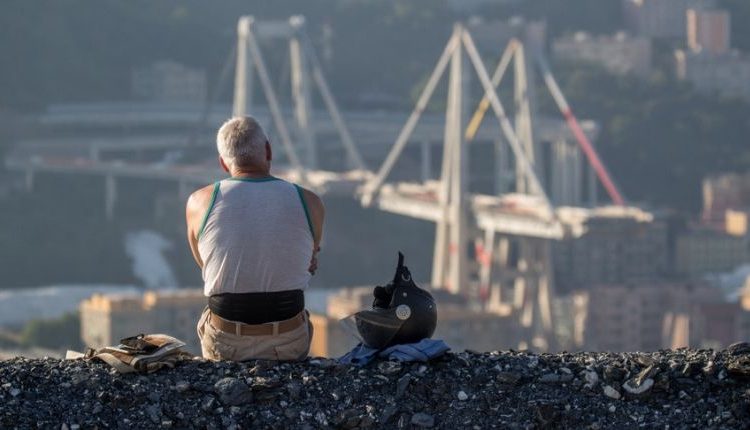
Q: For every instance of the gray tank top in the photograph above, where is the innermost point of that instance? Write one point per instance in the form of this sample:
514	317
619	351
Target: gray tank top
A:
256	236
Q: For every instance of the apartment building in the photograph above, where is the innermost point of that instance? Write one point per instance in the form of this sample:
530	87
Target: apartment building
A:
620	54
105	319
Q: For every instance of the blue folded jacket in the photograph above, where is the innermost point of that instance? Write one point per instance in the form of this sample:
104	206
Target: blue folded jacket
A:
424	350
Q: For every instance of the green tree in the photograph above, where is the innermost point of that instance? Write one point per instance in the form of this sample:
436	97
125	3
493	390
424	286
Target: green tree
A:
659	137
740	14
63	332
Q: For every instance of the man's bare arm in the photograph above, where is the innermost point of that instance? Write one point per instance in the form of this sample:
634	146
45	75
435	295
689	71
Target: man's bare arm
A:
317	218
195	210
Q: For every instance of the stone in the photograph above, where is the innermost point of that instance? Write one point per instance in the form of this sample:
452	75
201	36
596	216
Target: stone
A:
421	419
614	374
591	378
611	392
402	385
233	391
325	363
208	403
546	414
631	386
508	378
739	348
154	413
348	419
462	396
501	391
182	386
388	412
533	362
294	390
549	378
389	367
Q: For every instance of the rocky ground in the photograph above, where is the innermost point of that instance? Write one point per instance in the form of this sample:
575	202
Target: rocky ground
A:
665	389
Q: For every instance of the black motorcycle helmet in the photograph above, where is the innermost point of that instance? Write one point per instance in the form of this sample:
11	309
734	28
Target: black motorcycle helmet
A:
401	313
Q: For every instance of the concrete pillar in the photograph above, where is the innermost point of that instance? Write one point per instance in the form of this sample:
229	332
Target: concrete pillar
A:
592	186
458	278
501	167
110	196
523	94
522	269
301	93
544	298
576	175
440	253
243	73
486	261
555	174
529	313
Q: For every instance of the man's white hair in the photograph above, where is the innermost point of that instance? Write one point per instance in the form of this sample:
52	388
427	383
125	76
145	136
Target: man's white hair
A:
241	142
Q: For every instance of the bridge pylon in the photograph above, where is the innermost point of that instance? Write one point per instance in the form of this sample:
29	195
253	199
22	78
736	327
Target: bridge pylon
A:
511	233
306	75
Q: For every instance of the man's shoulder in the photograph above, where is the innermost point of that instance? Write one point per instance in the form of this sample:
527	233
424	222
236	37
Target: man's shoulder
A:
200	199
311	198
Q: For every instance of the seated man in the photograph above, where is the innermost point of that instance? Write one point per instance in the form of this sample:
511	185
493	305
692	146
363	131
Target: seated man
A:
256	239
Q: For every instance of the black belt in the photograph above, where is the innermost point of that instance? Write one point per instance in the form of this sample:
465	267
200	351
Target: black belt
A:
257	308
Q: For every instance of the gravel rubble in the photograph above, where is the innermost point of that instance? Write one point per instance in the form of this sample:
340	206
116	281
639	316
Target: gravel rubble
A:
517	390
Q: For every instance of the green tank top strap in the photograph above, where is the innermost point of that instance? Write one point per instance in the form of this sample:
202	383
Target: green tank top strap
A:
301	195
210	206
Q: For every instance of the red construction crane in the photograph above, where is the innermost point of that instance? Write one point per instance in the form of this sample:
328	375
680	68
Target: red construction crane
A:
583	141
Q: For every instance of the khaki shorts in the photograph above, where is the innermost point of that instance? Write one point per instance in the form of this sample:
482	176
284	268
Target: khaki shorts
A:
220	345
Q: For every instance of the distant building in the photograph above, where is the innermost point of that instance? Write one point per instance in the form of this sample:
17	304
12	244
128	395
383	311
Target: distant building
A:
639	316
709	63
491	37
620	54
471	5
330	339
737	222
718	325
742	318
651	316
730	191
726	74
610	245
702	251
660	19
708	31
722	324
105	319
168	81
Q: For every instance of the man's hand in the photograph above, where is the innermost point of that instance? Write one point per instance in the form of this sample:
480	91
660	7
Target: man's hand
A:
314	261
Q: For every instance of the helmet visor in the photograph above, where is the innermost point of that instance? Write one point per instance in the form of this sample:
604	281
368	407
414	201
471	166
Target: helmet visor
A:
375	328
